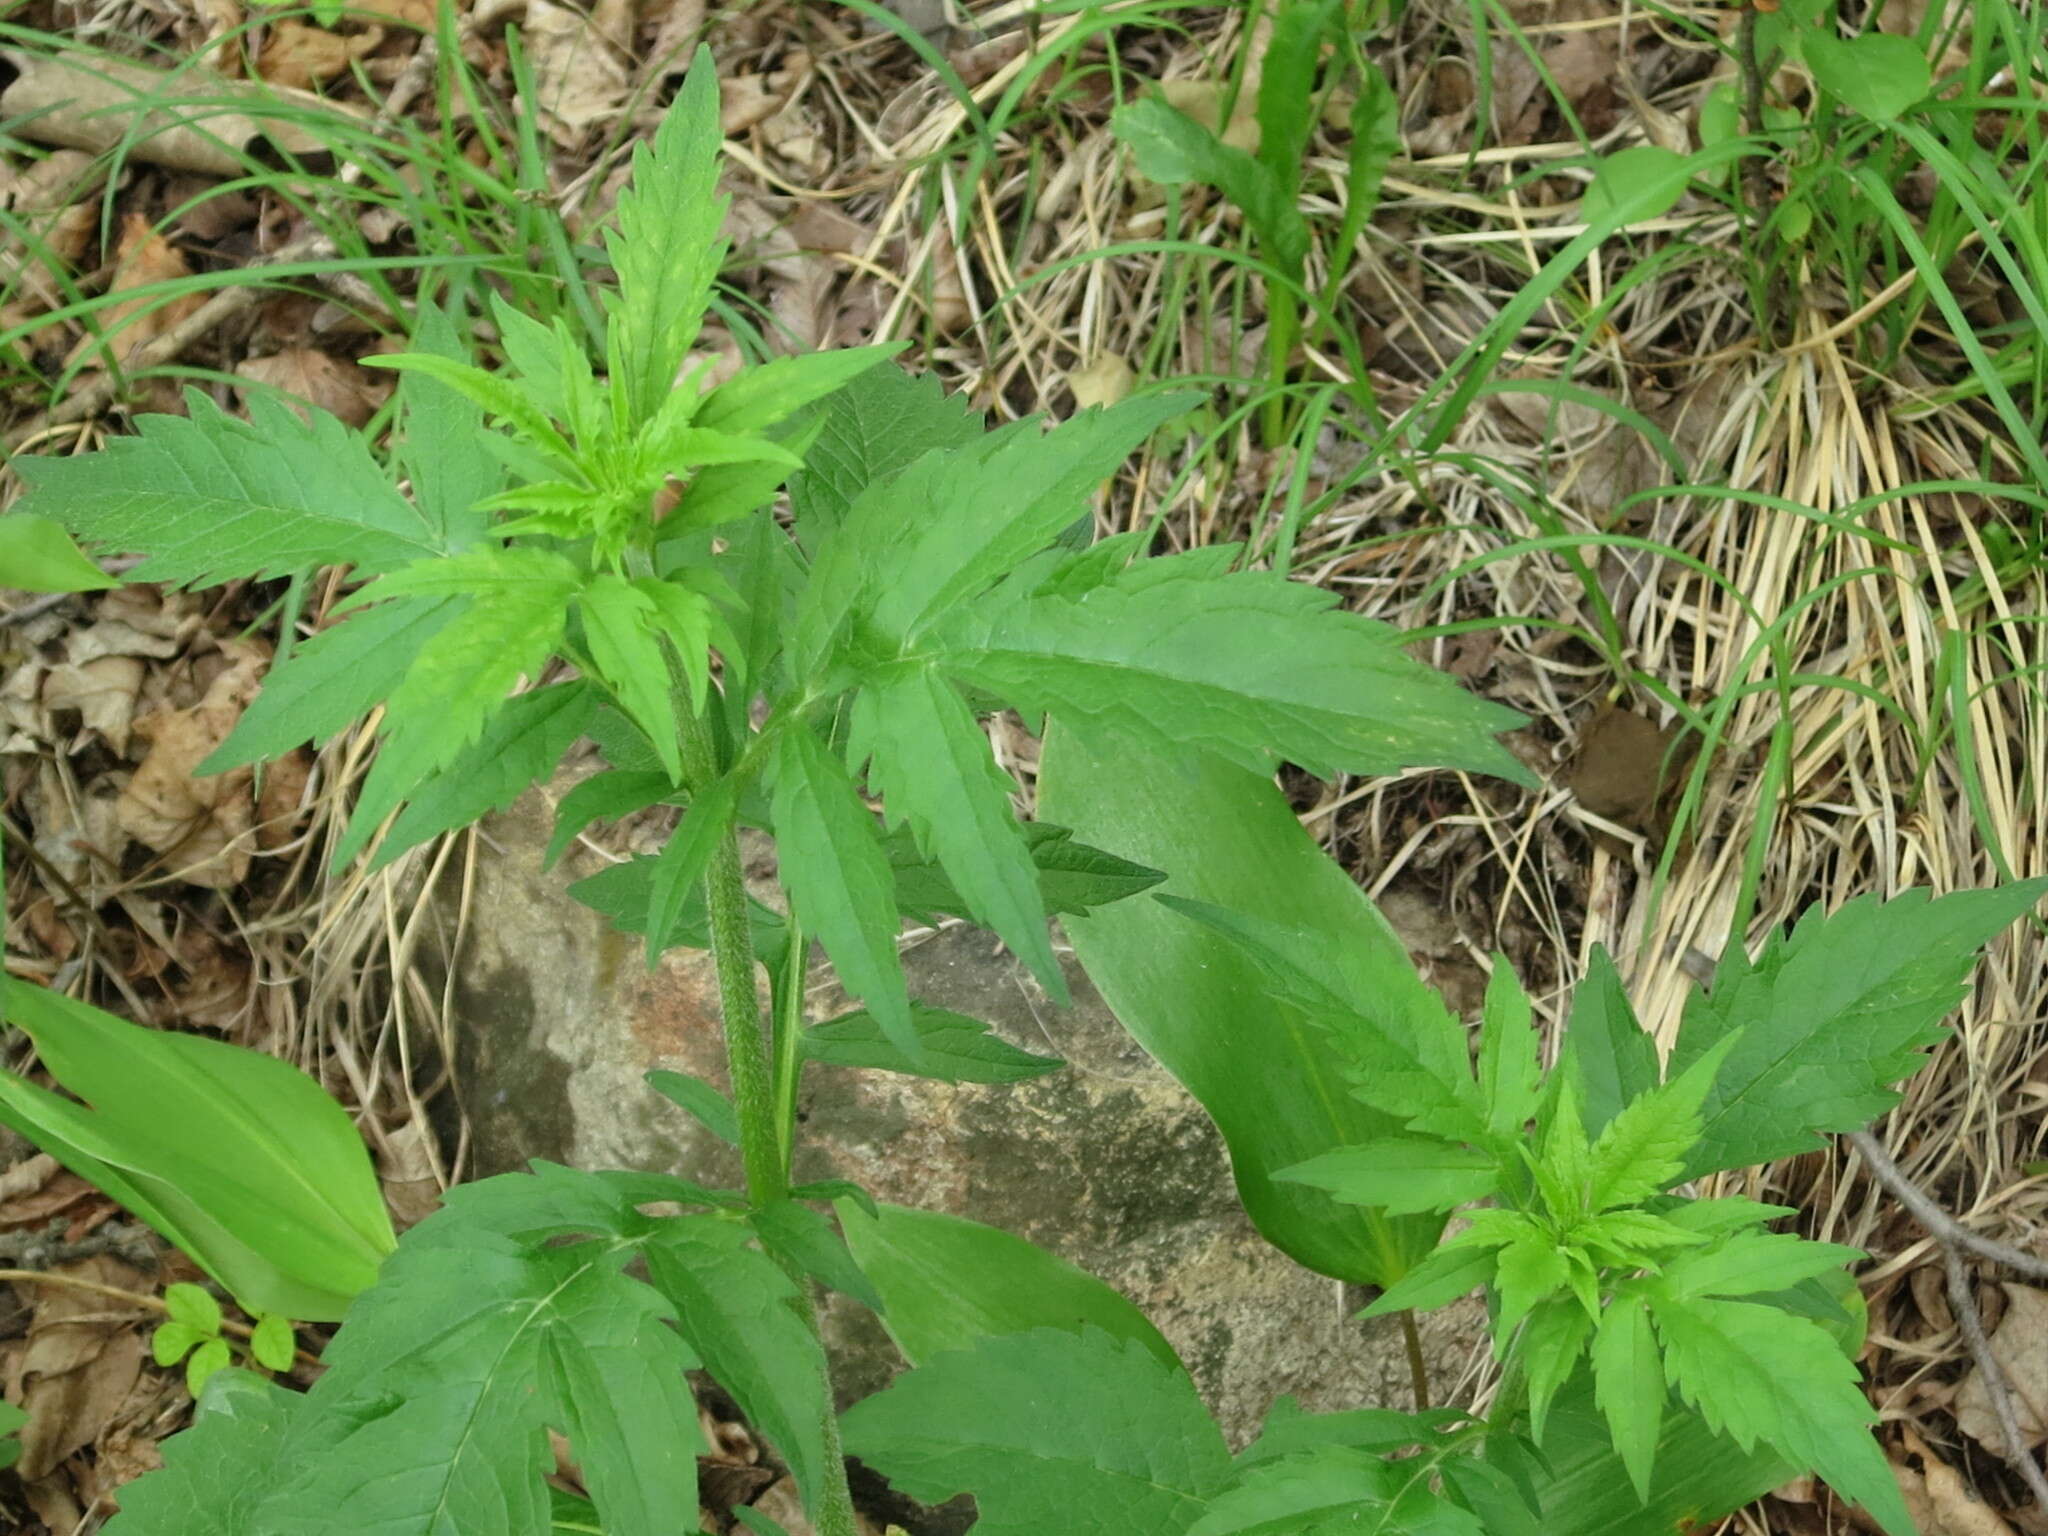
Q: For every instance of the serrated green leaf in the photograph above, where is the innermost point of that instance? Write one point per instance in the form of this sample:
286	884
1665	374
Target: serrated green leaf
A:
1401	1175
1375	142
667	248
1832	1015
518	747
839	883
36	555
618	626
1632	1239
217	1472
920	544
208	499
734	1307
438	444
1075	1432
950	1282
1551	1346
799	1236
679	867
762	396
869	434
1758	1374
1443	1277
688	622
1288	1431
1508	1071
1073	878
495	394
935	772
1527	1269
1605	1049
1747	1263
1628	1384
1643	1148
700	1101
1165	665
603	797
1327	1489
331	681
957	1049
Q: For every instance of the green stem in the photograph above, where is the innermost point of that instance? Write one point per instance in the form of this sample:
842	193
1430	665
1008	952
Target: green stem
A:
762	1139
1283	329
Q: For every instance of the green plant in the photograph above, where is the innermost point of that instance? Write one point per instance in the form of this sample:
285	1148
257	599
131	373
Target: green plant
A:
1173	148
192	1333
756	672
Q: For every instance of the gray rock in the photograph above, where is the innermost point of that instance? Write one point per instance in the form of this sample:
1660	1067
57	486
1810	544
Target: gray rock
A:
1109	1163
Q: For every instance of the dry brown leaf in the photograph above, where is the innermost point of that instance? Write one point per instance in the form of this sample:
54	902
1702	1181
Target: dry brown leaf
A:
101	691
2020	1346
418	14
298	57
201	824
405	1167
281	801
1939	1501
1619	773
1104	381
79	1366
214	993
340	388
143	257
56	1194
27	1177
579	74
745	100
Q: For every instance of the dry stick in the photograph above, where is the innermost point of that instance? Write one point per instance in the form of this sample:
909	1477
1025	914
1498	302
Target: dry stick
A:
229	302
1952	1237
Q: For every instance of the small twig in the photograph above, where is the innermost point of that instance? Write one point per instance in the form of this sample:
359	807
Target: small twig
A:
40	1250
316	245
1952	1237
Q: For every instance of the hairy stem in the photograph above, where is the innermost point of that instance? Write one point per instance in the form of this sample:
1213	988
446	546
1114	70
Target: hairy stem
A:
763	1139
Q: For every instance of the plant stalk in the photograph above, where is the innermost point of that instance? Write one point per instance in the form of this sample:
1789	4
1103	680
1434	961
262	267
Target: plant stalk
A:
762	1140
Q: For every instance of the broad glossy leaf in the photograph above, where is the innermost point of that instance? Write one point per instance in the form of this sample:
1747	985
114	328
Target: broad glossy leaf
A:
261	1176
1227	836
1080	1433
949	1282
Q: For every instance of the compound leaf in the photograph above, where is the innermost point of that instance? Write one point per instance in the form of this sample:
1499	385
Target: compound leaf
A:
838	880
1832	1015
1163	663
1075	1432
933	767
206	498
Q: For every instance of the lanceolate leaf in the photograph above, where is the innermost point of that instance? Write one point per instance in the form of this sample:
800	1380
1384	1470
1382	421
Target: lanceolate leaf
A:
667	248
1507	1053
207	498
956	1049
733	1305
868	434
332	680
762	396
1402	1175
1605	1049
1073	878
519	747
798	1235
1052	1431
934	770
679	867
618	625
838	881
949	1282
1628	1383
1832	1015
439	440
1166	667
